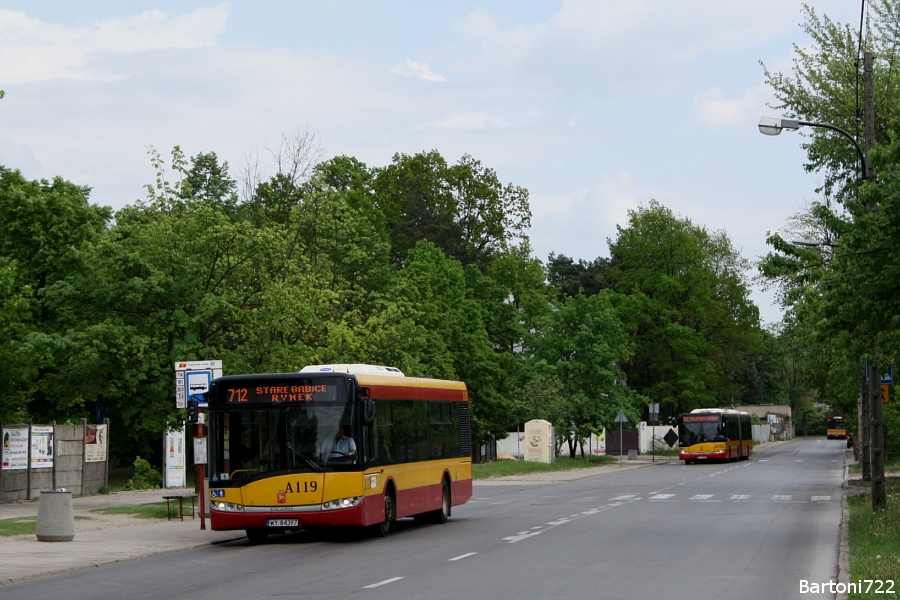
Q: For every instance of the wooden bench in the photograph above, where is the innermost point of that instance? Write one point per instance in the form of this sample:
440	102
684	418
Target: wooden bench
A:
181	500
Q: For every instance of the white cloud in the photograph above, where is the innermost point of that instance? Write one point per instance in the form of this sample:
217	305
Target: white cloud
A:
476	120
714	108
616	47
579	223
31	50
420	70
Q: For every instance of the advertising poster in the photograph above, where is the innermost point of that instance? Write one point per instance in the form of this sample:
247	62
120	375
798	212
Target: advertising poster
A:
174	458
41	446
95	443
600	443
15	449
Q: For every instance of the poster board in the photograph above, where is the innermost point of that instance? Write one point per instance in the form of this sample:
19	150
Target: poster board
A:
42	446
15	448
95	443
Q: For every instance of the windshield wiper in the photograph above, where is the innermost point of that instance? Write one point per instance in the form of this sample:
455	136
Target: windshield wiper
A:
312	464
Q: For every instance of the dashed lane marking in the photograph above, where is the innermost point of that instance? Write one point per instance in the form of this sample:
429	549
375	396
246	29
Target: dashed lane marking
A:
462	556
380	583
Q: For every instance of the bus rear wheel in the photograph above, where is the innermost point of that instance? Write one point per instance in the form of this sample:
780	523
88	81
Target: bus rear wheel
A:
443	513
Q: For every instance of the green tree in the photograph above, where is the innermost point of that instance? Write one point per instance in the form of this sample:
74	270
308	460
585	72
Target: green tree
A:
825	86
580	346
463	208
686	301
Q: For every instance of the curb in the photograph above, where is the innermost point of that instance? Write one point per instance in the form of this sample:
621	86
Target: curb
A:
843	566
97	565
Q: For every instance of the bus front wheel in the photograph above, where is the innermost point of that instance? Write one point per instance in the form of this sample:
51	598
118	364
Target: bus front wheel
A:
390	515
257	536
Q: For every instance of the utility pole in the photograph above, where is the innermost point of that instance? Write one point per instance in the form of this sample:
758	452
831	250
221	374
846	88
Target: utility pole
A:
879	495
869	112
865	447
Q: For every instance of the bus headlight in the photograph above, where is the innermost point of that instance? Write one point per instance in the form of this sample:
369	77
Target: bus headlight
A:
342	503
227	507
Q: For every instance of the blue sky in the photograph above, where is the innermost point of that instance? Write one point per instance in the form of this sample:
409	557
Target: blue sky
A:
595	106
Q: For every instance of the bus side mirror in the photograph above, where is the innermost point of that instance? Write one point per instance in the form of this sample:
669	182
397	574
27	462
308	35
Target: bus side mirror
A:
368	412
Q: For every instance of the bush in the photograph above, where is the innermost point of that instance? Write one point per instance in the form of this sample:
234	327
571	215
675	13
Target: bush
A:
145	476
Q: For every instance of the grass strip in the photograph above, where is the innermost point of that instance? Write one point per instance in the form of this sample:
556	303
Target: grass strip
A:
23	525
155	510
18	526
890	466
504	468
874	541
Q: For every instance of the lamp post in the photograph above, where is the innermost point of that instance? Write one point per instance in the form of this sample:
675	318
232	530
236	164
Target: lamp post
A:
871	419
774	126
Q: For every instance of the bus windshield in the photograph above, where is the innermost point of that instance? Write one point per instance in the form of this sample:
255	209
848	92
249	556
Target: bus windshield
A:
691	433
302	437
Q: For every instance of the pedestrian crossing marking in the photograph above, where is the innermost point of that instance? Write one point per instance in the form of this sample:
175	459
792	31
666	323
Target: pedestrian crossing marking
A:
662	496
821	498
740	497
781	498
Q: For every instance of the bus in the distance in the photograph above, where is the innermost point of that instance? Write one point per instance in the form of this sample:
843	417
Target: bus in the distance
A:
714	434
835	428
348	445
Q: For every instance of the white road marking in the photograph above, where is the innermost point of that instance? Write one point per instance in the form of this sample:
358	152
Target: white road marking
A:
385	582
740	497
821	498
661	497
624	497
462	556
702	497
781	498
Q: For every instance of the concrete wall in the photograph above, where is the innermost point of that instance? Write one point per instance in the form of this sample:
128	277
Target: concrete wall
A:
69	470
651	436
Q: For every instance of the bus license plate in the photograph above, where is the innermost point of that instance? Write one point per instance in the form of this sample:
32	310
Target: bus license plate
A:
282	523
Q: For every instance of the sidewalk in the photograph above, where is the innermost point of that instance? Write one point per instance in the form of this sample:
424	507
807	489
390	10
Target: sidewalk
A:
641	462
100	539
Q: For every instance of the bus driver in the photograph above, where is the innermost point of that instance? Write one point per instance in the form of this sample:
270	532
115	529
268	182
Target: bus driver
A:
340	445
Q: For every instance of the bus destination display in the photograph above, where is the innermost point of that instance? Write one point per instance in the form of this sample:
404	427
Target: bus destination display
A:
700	418
279	394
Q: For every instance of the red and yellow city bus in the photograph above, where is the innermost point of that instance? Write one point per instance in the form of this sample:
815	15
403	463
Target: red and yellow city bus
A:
714	434
835	428
352	445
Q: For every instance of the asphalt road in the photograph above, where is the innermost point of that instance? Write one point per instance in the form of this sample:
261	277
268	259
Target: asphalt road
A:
750	530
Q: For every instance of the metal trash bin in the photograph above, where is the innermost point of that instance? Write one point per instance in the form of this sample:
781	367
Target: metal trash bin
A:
55	521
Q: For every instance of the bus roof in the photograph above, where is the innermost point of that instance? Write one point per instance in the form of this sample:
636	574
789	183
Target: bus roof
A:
353	369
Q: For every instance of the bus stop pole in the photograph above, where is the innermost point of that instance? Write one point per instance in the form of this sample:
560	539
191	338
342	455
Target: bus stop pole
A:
620	444
202	486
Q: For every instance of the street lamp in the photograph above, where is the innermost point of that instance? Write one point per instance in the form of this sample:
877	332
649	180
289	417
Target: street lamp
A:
811	244
871	423
774	126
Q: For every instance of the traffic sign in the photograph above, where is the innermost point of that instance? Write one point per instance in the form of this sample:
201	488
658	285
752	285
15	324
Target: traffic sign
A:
671	437
621	418
885	393
886	378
